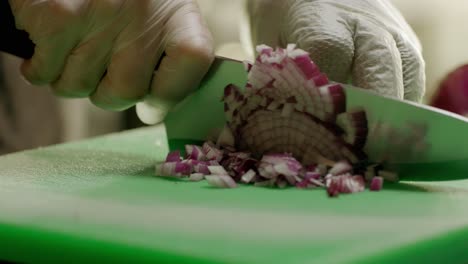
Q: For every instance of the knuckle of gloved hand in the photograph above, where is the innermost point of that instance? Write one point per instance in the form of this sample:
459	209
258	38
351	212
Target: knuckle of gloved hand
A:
117	96
77	89
198	48
38	75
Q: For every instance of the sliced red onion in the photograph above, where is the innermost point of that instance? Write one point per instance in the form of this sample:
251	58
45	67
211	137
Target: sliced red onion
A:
248	176
300	111
376	184
196	177
341	167
194	152
221	181
173	156
212	152
293	119
389	176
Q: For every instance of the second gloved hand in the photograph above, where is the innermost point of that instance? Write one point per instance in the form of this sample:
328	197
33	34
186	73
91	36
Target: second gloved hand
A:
108	50
365	41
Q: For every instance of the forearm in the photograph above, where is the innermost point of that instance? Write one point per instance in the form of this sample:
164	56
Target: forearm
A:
12	40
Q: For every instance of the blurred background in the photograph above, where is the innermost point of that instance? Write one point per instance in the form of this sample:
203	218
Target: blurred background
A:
440	26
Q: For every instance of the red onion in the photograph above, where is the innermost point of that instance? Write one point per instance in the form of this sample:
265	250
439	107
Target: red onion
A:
201	168
212	152
345	184
376	184
248	176
196	177
194	152
221	181
288	128
300	110
174	156
217	170
173	169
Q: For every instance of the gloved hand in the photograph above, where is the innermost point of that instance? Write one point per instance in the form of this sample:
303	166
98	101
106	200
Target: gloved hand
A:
365	41
109	50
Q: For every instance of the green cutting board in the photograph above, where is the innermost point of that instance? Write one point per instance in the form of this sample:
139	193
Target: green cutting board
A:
99	201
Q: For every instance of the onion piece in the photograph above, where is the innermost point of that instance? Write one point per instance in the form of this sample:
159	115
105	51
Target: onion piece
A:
173	156
166	169
376	184
196	177
221	181
248	176
226	138
212	152
194	152
175	169
217	170
345	184
201	168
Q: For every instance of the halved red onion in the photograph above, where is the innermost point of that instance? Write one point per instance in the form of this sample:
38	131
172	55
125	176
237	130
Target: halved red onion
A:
376	184
300	110
221	181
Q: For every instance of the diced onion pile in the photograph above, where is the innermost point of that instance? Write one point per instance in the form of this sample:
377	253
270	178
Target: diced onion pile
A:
290	127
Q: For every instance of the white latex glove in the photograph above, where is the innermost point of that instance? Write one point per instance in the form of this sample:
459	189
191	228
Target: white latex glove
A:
365	41
109	49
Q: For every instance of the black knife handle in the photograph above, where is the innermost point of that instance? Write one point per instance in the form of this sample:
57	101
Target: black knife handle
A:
15	42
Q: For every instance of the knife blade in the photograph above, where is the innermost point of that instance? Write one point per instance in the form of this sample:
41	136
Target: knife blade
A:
419	142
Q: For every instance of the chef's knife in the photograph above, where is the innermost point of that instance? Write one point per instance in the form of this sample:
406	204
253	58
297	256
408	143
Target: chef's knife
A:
419	142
